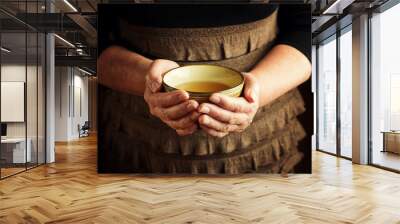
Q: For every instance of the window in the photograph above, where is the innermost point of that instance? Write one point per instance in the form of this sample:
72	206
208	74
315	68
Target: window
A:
15	146
22	78
334	137
385	89
346	92
327	96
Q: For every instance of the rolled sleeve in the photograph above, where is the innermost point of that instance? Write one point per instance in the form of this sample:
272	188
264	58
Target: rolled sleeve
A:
294	22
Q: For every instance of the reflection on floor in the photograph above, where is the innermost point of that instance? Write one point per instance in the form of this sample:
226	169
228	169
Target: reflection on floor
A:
387	159
346	152
71	191
13	169
10	171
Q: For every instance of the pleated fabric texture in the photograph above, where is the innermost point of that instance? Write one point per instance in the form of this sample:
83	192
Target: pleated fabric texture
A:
201	44
143	142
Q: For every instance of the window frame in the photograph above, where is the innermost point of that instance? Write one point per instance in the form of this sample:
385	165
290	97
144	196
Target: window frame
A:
334	37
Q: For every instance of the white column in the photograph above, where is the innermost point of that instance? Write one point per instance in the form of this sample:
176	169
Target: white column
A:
360	90
62	103
50	93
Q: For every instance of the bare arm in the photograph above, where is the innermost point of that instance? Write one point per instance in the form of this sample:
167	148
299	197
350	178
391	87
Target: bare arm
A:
129	72
281	70
123	70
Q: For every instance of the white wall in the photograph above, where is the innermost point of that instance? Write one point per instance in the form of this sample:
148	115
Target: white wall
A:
70	83
12	73
92	93
61	103
33	127
79	117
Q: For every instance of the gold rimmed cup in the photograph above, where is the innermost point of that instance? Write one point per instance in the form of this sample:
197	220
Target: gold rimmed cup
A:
201	81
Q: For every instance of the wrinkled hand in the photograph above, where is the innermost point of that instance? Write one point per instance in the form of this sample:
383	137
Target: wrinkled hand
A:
227	114
173	108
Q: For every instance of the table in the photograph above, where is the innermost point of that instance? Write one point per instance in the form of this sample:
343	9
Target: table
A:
391	141
13	150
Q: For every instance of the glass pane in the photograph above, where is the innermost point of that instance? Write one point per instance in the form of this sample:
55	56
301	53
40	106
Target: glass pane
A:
327	97
346	94
31	97
41	98
9	24
385	84
13	89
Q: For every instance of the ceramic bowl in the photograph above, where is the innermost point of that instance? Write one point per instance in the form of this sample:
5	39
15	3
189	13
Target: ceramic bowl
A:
212	77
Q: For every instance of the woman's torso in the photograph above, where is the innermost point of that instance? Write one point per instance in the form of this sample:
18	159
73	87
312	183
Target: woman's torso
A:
270	140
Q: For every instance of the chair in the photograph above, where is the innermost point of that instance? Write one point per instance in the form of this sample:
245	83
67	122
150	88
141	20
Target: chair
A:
84	130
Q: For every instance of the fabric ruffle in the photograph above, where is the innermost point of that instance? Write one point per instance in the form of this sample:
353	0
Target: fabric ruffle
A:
135	119
201	44
240	63
278	154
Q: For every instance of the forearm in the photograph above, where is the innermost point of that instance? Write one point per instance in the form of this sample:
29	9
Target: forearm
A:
123	70
281	70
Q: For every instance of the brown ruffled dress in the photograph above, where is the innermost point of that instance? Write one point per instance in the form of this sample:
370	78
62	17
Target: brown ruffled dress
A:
137	138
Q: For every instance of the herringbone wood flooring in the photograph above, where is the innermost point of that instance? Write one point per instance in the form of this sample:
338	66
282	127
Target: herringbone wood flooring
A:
70	191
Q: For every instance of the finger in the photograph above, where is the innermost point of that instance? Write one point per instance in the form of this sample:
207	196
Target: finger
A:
168	99
147	93
157	71
210	122
183	123
152	86
223	115
194	116
251	88
187	131
180	110
213	132
234	104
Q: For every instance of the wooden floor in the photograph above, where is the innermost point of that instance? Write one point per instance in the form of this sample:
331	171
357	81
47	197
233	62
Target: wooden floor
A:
5	172
70	191
387	159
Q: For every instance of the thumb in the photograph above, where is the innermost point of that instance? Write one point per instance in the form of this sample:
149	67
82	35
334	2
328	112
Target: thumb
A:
155	85
152	85
155	80
251	88
157	71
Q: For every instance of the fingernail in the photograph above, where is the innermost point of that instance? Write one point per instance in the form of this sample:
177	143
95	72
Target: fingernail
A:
205	120
215	98
195	104
194	116
204	109
190	106
183	95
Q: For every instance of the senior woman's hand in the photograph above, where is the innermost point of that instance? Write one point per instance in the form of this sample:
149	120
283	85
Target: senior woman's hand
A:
227	114
173	108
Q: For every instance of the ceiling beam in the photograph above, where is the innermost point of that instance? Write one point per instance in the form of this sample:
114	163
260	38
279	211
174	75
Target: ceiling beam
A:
81	61
337	7
86	27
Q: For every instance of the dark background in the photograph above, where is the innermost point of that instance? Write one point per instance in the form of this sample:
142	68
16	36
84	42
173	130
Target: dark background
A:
294	18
